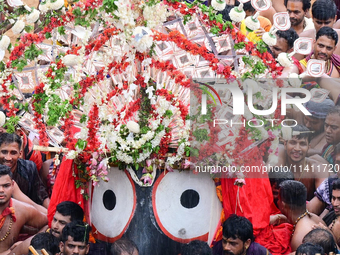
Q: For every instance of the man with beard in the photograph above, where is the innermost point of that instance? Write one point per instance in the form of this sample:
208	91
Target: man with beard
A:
323	15
75	239
292	203
238	238
295	158
324	47
66	212
14	214
297	10
284	42
316	123
332	129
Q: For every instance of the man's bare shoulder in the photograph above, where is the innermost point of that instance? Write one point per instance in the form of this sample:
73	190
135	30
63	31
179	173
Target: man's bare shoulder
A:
317	160
308	33
22	208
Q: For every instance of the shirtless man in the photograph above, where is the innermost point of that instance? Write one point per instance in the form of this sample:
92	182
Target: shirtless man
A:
294	156
332	129
16	214
332	218
292	203
321	204
324	47
66	212
316	123
323	15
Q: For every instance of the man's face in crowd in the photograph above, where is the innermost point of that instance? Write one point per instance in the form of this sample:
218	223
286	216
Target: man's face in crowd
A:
296	13
314	124
58	223
336	201
233	246
71	247
6	189
296	149
324	48
9	155
318	23
280	46
332	129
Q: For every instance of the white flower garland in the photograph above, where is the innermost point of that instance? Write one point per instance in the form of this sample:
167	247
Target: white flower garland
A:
218	5
155	15
237	14
33	16
284	59
4	42
18	27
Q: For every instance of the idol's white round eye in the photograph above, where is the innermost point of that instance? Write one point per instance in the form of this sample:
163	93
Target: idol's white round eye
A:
113	205
186	206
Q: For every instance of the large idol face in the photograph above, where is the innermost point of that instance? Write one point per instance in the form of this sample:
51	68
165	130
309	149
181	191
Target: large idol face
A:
178	208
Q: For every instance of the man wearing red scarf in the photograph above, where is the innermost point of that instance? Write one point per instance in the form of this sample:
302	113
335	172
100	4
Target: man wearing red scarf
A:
14	214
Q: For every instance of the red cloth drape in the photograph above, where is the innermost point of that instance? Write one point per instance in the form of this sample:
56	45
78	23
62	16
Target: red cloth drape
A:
64	189
256	204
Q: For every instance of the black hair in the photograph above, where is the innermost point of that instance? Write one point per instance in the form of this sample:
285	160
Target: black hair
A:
225	13
248	7
336	184
309	249
293	193
5	170
238	227
304	132
323	238
289	35
78	230
68	208
123	245
334	110
305	4
329	32
324	9
196	247
277	177
10	138
45	241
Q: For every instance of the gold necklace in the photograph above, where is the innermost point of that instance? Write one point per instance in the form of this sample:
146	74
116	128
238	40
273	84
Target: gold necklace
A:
299	218
8	231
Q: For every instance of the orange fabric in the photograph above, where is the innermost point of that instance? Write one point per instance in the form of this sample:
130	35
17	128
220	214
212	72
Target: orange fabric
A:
256	204
265	23
64	189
